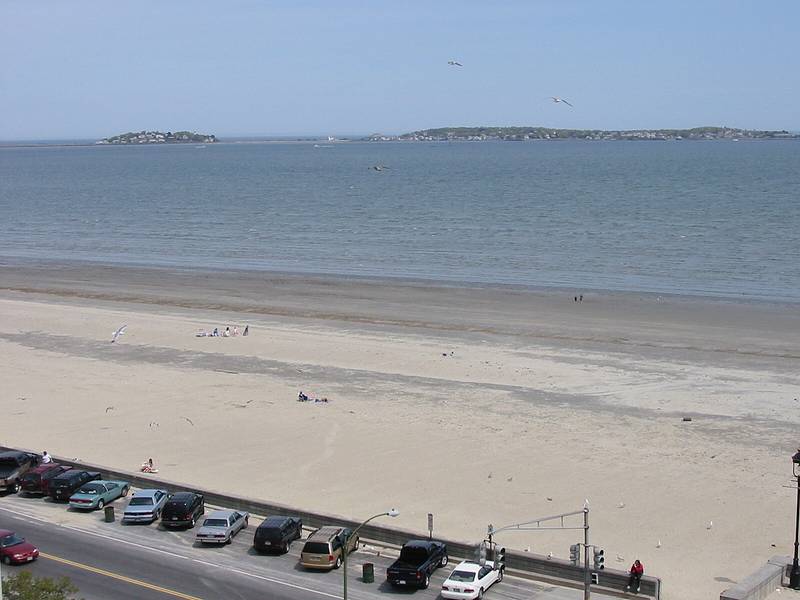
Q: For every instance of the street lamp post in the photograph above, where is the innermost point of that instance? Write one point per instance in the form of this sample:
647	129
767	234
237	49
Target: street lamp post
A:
794	576
390	513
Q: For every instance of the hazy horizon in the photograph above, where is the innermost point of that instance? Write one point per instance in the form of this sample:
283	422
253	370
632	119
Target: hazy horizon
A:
88	69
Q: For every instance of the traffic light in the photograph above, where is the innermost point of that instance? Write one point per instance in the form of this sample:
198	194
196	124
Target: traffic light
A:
575	553
599	559
499	557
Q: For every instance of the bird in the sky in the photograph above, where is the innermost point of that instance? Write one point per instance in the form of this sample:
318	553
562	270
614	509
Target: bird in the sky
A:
117	333
188	420
379	168
454	63
556	99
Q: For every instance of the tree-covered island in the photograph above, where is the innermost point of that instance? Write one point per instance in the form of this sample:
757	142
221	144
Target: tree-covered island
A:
158	137
548	133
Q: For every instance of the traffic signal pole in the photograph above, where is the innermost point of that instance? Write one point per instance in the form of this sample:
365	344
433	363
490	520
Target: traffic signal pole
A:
587	576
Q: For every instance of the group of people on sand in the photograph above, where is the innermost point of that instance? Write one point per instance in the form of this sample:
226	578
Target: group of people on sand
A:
228	332
148	466
301	397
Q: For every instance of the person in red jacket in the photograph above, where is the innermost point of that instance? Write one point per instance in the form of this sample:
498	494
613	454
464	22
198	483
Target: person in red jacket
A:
635	579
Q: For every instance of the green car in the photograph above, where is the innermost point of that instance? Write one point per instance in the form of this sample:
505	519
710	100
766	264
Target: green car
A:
96	494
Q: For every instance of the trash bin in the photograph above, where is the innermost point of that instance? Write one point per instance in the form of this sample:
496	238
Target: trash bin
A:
368	573
109	512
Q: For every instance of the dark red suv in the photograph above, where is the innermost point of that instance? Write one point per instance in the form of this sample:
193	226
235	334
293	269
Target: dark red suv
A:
36	480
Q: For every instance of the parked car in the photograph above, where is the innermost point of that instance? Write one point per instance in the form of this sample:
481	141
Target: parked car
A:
469	580
145	506
277	533
417	562
96	494
183	510
62	486
37	479
221	525
323	548
13	465
14	550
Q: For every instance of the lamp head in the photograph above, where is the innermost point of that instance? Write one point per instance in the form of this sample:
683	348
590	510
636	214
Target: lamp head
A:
796	457
394	512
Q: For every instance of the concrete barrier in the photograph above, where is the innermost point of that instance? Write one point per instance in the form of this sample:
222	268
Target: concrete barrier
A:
532	566
762	583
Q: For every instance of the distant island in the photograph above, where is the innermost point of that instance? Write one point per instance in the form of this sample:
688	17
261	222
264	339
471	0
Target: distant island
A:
158	137
516	134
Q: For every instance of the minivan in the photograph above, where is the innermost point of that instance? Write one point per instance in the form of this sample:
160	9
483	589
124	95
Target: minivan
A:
277	533
323	548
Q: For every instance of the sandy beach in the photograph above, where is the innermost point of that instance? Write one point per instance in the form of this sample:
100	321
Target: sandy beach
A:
480	405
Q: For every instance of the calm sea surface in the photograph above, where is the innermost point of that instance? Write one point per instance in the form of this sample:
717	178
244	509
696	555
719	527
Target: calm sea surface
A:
716	218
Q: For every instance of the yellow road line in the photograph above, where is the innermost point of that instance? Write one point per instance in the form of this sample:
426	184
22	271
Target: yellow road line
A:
105	573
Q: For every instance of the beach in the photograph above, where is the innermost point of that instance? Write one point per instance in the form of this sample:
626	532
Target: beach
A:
480	404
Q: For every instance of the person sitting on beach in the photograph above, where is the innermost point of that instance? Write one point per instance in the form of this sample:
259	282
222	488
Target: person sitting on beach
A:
301	397
215	333
46	458
321	400
227	332
148	466
635	579
235	331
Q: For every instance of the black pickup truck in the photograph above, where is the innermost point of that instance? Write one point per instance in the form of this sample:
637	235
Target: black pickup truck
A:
418	560
14	465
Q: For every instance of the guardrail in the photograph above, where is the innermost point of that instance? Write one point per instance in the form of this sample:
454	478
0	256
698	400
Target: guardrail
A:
525	564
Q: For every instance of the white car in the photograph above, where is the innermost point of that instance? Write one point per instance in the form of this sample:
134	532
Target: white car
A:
470	580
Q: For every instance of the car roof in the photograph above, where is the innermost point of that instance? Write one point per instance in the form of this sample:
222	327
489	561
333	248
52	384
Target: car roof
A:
5	532
148	493
274	521
325	533
45	467
106	481
68	474
419	543
469	565
183	496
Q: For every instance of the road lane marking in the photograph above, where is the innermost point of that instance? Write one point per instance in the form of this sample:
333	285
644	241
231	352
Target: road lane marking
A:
119	577
291	585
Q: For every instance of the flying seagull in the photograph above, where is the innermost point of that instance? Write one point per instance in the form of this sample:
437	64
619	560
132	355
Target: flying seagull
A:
379	167
188	420
117	333
454	63
556	99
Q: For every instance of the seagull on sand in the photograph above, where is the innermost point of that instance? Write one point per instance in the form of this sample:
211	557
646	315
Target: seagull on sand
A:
117	333
710	525
108	408
454	63
658	544
556	99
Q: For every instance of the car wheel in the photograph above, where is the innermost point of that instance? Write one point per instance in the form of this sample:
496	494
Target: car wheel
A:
480	594
100	504
124	491
286	547
443	562
426	583
338	562
13	488
6	560
228	541
192	523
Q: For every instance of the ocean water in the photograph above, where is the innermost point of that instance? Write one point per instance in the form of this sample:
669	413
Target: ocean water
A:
706	218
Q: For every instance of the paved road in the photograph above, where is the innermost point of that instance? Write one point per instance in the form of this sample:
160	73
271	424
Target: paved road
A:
109	561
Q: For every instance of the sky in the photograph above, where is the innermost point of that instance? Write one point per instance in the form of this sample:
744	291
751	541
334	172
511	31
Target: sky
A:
90	69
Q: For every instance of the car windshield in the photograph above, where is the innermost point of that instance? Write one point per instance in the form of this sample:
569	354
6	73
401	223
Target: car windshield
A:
8	462
142	502
92	489
31	477
215	523
11	540
462	576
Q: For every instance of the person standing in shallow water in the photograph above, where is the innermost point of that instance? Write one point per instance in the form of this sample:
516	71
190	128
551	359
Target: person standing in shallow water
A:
246	330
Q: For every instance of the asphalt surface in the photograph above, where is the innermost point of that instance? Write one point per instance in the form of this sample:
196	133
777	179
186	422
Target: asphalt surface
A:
111	561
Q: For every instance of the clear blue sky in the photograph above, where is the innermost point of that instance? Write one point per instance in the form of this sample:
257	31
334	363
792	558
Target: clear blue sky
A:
81	68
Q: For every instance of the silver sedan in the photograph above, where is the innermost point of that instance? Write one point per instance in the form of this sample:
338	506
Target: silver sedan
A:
221	525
